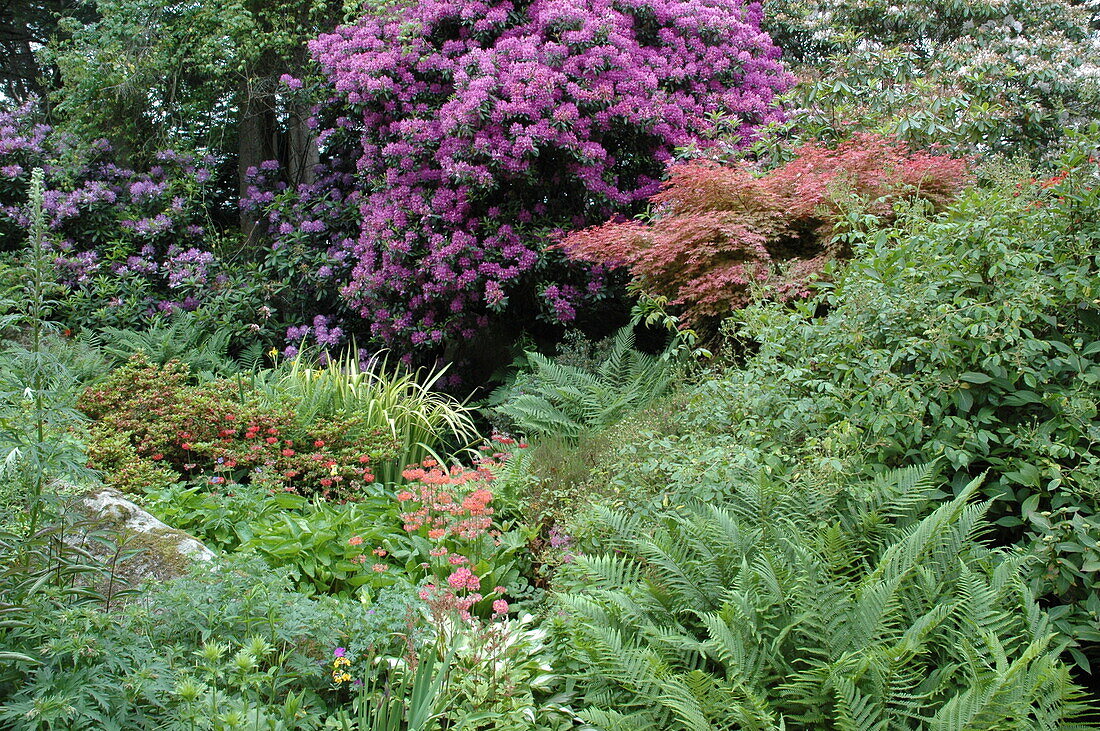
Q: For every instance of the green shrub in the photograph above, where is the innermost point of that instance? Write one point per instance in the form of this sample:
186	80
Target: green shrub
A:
222	520
986	75
973	337
40	430
231	648
553	478
860	609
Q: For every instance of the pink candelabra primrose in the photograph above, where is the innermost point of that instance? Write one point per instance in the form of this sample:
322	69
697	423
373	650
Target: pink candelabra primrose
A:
451	508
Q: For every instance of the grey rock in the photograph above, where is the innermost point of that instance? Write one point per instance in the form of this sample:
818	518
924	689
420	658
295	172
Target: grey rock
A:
163	552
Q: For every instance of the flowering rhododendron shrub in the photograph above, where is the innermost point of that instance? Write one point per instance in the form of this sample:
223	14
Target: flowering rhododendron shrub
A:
483	124
310	230
127	245
723	227
131	247
1006	76
147	222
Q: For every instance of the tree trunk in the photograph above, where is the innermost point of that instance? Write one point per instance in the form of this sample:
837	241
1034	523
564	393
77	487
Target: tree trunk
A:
302	154
254	140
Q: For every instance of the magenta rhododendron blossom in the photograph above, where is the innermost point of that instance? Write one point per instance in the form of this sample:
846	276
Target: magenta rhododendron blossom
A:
485	124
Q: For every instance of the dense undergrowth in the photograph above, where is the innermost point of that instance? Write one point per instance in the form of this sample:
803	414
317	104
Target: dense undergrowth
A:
839	469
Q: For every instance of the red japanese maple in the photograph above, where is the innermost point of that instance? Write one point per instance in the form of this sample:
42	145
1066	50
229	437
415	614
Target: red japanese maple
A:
720	227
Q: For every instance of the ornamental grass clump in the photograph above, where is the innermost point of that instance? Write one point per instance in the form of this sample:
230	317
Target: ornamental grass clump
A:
403	405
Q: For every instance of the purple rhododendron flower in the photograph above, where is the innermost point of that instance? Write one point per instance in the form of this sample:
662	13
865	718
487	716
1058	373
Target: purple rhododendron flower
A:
518	113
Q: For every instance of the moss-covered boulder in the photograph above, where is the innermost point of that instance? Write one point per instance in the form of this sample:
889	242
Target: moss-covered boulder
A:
162	551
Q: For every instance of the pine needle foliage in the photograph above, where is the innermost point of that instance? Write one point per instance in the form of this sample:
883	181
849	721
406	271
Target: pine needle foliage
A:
876	609
566	401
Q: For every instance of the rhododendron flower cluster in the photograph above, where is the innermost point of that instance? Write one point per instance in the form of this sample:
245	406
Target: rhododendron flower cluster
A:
312	229
484	123
723	227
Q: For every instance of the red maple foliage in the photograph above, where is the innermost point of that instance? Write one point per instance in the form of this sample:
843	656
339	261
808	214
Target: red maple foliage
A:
720	227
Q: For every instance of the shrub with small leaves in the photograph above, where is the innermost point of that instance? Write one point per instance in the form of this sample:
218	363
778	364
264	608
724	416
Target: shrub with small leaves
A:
223	433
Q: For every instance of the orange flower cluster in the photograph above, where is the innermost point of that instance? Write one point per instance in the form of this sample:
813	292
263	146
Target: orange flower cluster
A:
438	506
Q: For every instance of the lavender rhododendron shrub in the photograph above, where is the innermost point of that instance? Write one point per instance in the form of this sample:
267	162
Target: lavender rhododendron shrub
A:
127	245
134	246
485	125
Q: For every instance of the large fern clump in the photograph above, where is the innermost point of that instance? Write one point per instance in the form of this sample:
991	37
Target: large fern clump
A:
184	338
564	400
862	610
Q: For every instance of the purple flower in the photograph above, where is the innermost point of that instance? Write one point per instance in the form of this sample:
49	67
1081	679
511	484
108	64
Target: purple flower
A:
446	126
290	81
559	540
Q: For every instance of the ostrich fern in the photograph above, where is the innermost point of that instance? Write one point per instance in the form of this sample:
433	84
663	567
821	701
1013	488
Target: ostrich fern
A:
875	609
184	339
